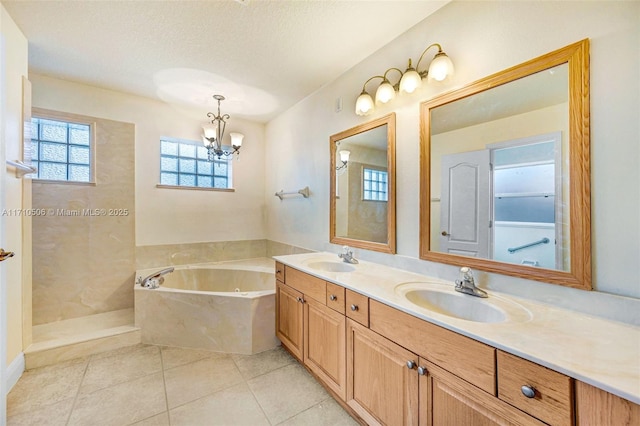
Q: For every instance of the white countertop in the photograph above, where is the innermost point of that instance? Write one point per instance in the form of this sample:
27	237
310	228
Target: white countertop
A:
603	353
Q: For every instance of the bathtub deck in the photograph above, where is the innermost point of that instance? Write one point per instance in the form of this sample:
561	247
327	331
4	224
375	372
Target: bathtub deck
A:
78	337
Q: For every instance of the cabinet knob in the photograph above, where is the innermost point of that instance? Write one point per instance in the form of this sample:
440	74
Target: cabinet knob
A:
528	391
411	365
301	300
422	371
333	297
354	307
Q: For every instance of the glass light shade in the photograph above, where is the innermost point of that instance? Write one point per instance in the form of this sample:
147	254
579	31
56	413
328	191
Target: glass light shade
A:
364	104
210	130
385	92
410	81
344	155
236	139
440	68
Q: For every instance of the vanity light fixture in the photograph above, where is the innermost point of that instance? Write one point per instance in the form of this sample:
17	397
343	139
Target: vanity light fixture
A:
344	157
214	132
440	69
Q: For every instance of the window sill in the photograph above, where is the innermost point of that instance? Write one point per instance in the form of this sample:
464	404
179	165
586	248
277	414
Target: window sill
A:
63	182
197	188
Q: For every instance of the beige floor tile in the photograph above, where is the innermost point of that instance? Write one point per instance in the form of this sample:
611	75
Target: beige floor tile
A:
251	366
175	357
158	420
52	415
192	381
121	404
45	386
121	366
287	391
233	406
327	413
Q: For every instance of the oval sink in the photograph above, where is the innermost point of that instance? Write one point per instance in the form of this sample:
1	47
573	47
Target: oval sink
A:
444	300
331	266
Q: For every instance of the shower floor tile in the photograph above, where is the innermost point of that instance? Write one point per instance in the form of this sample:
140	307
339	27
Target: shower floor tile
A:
152	385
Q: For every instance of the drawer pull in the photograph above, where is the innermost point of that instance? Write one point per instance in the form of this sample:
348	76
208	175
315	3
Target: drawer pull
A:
301	300
354	307
528	391
411	365
422	371
333	297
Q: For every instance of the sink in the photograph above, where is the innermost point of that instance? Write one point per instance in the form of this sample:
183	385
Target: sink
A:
443	299
328	266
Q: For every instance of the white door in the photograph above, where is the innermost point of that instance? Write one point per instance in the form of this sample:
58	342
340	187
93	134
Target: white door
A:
465	198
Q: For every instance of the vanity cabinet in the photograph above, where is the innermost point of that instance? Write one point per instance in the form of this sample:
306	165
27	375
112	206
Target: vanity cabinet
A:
392	368
382	384
312	331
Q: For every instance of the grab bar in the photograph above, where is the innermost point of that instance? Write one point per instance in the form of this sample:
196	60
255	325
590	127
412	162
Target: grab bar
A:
304	192
535	243
21	168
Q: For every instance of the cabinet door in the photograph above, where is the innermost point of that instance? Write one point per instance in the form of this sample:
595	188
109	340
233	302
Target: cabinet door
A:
446	400
380	386
324	345
289	316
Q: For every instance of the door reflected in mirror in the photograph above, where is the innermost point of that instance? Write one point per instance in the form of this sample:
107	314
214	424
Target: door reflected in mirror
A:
505	183
362	195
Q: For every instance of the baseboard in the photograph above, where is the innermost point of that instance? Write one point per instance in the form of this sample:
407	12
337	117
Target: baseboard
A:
15	370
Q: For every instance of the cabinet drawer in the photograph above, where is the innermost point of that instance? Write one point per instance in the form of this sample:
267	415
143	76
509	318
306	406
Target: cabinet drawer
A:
357	307
279	272
335	297
552	401
307	284
466	358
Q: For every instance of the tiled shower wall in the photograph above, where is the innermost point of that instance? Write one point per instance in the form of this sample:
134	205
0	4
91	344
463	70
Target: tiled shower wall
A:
85	265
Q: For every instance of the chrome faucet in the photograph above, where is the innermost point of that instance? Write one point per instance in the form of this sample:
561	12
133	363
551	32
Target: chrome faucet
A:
347	255
154	280
466	284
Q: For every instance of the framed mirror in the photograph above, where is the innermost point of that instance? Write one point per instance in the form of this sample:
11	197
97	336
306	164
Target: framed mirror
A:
363	186
505	183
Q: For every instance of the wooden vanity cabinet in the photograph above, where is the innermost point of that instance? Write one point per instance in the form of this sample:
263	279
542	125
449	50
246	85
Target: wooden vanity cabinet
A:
313	332
392	368
382	384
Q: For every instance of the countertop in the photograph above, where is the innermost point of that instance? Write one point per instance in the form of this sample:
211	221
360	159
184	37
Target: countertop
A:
600	352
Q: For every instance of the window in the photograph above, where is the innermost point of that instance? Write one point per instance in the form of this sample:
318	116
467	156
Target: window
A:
374	185
61	150
185	163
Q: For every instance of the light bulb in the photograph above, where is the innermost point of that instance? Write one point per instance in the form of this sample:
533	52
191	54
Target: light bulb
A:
441	67
364	104
236	139
385	92
410	81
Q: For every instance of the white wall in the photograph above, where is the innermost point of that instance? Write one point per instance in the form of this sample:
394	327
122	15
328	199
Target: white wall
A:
481	38
14	68
172	216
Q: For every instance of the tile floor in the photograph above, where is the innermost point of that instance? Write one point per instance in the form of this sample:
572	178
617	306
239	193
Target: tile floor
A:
153	385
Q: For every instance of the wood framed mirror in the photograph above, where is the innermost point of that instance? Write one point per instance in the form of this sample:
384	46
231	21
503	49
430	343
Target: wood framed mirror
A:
363	186
504	172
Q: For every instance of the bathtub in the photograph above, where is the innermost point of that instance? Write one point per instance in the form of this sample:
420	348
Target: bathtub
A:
225	307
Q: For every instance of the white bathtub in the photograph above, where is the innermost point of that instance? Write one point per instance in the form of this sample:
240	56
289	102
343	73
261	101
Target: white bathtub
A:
225	307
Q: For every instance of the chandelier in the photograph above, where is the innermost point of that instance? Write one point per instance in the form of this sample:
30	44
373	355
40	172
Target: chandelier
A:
214	132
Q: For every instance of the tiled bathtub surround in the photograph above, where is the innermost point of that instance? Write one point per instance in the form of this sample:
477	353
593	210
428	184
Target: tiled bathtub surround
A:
83	265
211	315
218	251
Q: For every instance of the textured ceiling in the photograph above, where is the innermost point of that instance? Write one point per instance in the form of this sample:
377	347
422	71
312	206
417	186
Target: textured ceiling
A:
263	55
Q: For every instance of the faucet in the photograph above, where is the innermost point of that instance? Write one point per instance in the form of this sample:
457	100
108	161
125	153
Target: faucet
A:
347	255
466	284
154	280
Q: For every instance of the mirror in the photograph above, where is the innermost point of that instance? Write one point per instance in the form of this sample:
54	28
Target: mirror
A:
363	203
505	172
